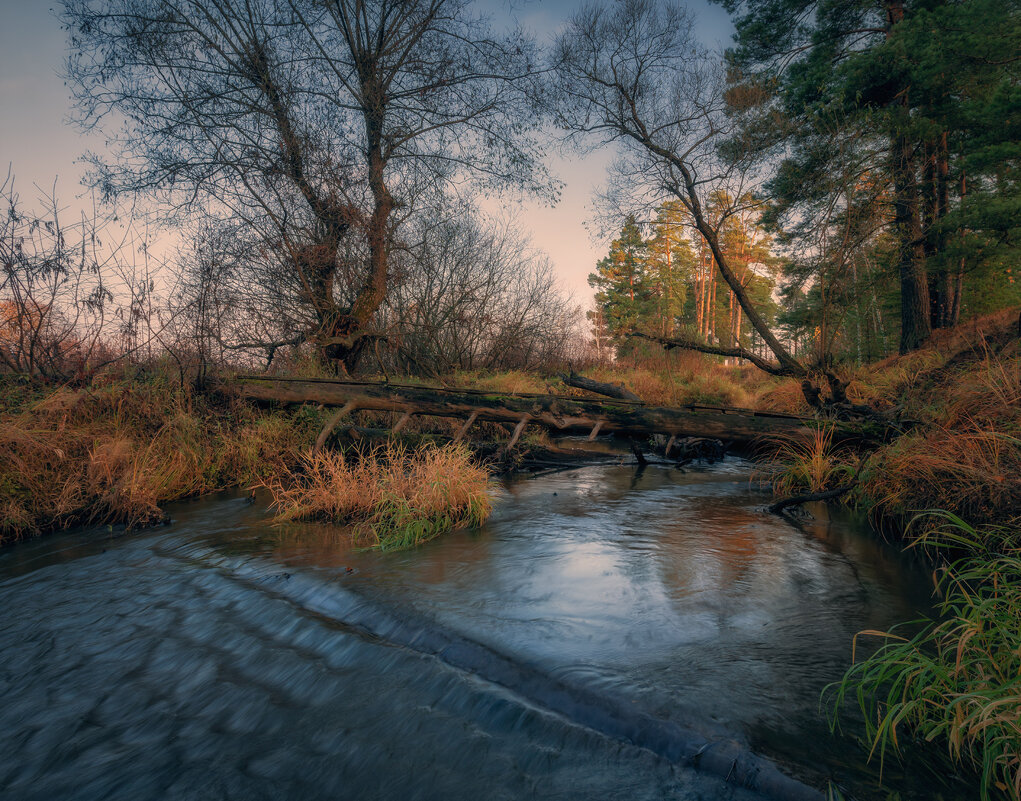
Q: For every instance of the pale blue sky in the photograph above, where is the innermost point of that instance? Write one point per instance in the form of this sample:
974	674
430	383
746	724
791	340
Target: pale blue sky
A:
41	147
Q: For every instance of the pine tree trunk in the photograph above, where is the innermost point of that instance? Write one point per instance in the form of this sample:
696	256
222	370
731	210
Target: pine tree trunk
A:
955	283
915	318
711	306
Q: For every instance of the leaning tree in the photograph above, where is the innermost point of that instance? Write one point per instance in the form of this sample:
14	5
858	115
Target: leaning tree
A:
634	74
309	126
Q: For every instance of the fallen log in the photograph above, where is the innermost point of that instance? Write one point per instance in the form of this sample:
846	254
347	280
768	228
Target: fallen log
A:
531	458
555	413
598	387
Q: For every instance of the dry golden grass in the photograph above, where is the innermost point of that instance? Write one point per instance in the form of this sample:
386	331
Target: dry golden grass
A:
812	465
397	497
784	396
509	381
686	378
966	458
974	473
115	452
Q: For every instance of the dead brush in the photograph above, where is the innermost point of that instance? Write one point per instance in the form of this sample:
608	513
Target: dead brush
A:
397	498
115	452
783	396
990	391
41	477
681	381
508	381
970	462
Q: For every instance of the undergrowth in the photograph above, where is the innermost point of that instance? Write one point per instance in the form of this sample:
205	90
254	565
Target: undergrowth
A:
961	396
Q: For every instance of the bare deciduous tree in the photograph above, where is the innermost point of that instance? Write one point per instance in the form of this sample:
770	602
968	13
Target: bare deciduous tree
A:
305	122
57	282
473	293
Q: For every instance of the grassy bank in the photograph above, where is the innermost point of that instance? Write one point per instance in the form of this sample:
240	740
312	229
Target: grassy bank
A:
962	392
119	450
963	455
954	681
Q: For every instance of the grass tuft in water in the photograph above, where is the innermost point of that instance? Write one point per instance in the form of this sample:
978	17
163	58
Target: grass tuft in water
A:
808	465
398	498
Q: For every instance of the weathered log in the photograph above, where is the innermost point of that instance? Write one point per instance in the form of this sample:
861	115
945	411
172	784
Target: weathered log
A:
331	424
518	429
467	424
556	413
598	387
533	457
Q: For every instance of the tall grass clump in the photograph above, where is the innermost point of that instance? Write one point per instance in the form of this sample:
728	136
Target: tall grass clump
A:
967	460
956	680
808	465
397	498
687	378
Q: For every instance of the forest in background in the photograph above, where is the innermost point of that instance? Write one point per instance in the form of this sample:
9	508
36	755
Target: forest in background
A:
882	141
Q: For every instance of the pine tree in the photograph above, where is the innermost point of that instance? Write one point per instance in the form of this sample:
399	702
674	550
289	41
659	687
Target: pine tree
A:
623	291
902	90
671	263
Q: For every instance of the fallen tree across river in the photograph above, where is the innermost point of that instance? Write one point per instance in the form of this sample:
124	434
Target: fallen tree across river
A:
556	413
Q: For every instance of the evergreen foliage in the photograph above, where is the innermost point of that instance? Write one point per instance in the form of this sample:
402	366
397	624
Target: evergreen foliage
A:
665	282
895	131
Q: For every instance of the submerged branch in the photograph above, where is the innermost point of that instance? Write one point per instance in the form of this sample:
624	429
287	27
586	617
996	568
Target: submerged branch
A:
825	495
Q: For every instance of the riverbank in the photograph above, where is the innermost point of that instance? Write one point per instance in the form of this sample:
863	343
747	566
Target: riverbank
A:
118	450
953	680
960	396
133	440
595	609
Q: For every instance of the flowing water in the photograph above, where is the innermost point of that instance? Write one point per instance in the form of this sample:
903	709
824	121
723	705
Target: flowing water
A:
611	633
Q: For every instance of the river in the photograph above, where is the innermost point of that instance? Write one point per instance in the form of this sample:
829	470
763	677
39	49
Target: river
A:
611	633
